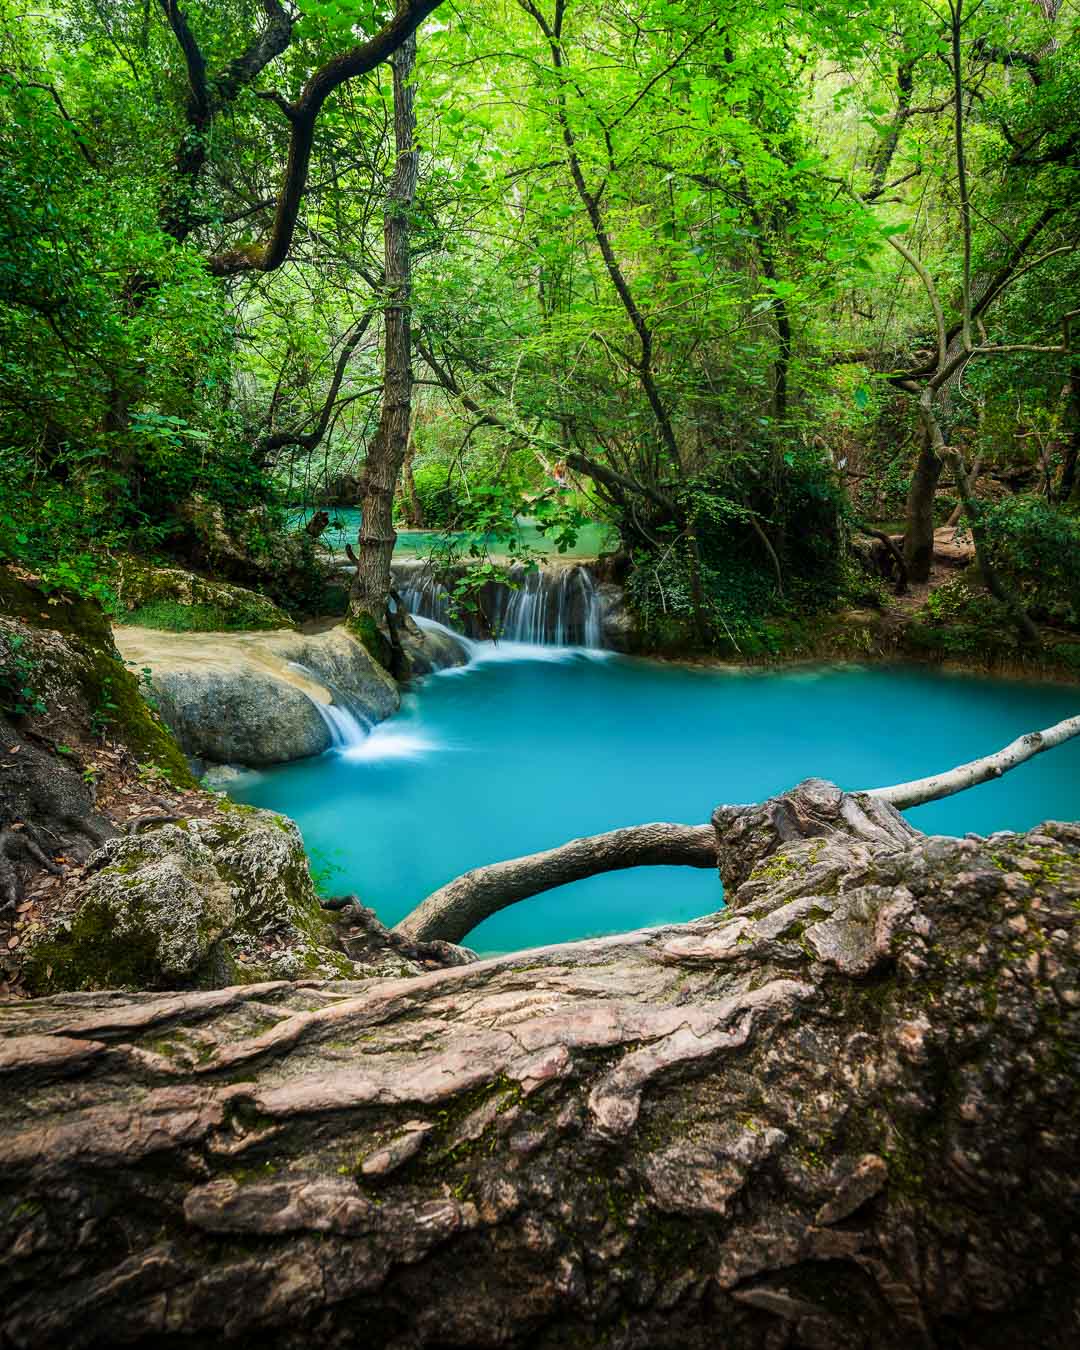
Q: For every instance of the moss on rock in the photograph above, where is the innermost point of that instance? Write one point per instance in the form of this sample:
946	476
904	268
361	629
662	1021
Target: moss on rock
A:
177	600
81	678
203	903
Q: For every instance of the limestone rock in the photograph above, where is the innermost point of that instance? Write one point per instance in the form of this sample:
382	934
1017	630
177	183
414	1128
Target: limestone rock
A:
618	625
431	648
212	604
204	901
255	698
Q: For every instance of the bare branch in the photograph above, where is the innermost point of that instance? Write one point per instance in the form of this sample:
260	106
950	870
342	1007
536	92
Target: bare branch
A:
936	786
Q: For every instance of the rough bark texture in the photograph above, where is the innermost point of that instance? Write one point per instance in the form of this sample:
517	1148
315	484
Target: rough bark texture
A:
456	908
919	524
842	1114
375	545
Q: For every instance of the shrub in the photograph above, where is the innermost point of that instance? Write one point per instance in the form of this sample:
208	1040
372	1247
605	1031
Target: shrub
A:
1038	546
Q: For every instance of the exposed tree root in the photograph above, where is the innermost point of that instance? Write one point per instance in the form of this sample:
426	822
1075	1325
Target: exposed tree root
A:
796	1123
451	912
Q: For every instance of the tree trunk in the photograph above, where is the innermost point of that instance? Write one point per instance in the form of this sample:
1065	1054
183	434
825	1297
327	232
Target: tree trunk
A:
958	509
1001	592
1067	483
919	525
375	545
797	1123
415	511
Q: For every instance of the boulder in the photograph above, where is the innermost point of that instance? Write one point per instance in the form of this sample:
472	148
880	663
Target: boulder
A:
618	626
258	698
431	647
201	902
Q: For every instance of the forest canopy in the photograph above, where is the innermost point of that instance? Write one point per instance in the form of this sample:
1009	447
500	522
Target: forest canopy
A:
740	279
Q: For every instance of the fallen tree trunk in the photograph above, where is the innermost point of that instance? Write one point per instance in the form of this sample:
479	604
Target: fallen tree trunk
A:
843	1113
469	899
453	911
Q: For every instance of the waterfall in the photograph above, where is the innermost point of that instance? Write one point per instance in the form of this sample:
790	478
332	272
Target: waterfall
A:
552	606
347	729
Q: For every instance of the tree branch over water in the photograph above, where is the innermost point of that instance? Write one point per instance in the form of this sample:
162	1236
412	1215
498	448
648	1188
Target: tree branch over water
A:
454	910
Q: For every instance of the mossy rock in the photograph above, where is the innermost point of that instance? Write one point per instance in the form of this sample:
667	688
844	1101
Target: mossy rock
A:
180	601
69	643
148	918
203	903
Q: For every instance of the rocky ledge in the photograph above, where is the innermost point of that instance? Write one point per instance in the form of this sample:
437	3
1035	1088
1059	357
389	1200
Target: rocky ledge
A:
257	698
842	1113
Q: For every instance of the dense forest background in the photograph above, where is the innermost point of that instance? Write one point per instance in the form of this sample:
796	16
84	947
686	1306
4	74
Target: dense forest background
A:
741	279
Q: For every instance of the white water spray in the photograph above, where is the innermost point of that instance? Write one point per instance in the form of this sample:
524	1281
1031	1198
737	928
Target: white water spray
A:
553	606
347	729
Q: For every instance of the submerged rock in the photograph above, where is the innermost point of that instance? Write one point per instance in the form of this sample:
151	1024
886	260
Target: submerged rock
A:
258	698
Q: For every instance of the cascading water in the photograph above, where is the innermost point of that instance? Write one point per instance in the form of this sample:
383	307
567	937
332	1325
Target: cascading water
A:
552	606
345	727
354	736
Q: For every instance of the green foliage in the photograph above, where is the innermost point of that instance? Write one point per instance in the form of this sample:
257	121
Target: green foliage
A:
174	617
441	497
323	867
18	695
1038	546
686	328
791	500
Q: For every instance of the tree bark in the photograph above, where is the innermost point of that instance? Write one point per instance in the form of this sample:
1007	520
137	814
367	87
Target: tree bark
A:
788	1124
375	543
919	524
463	903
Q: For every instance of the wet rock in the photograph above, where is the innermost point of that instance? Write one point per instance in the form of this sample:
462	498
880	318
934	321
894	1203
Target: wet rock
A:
257	698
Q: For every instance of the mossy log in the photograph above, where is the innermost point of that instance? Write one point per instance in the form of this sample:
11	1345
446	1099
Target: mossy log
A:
842	1113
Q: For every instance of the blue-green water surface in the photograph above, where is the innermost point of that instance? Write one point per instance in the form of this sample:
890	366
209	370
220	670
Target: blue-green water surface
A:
592	539
512	755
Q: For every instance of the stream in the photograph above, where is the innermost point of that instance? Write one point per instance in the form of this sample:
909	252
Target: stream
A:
529	746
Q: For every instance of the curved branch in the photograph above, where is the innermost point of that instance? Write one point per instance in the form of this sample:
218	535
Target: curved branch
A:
898	557
456	908
303	116
451	912
931	789
276	440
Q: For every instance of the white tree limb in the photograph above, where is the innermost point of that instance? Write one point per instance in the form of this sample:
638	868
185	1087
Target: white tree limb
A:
920	790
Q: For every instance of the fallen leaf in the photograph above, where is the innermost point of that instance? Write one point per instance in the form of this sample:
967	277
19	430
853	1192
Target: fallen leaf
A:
13	941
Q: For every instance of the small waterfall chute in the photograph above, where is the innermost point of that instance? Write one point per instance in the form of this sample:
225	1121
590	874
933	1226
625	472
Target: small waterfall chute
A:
547	606
348	729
